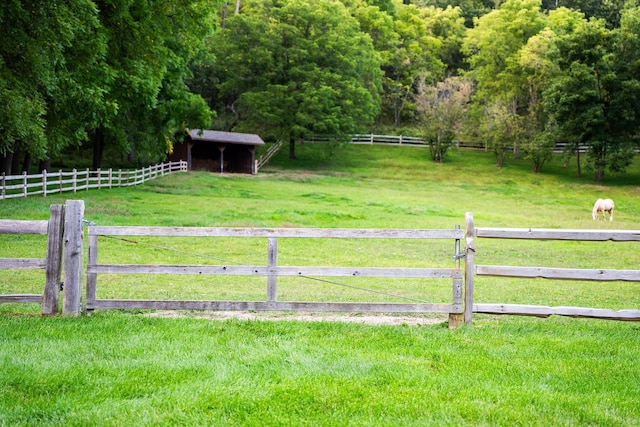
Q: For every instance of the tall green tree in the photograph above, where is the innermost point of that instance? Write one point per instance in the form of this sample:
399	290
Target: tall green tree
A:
291	69
595	95
504	94
414	57
443	106
50	76
150	47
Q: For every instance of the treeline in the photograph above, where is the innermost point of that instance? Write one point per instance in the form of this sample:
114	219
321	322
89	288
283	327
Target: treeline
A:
128	76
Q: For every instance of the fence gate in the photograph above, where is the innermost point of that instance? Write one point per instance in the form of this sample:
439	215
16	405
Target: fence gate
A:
272	270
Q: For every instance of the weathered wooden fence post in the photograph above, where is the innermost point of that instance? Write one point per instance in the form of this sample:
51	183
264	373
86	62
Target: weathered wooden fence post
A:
469	268
73	256
456	319
272	261
55	233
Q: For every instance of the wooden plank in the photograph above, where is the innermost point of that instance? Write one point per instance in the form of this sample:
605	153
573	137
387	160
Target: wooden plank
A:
434	273
9	226
21	298
544	311
469	268
555	234
275	306
457	319
92	260
272	262
53	269
276	232
73	257
23	263
559	273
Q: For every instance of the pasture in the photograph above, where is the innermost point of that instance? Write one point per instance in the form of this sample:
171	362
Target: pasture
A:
127	367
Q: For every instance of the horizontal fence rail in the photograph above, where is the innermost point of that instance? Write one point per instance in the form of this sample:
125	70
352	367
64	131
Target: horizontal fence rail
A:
271	271
541	272
46	183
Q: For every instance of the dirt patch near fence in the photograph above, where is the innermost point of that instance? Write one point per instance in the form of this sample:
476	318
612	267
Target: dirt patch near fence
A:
369	319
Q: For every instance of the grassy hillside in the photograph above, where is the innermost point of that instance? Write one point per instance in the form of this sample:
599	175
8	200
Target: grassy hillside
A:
117	368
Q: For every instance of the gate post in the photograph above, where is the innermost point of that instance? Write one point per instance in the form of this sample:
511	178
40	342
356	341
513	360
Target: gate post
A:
469	267
455	319
73	256
272	279
55	231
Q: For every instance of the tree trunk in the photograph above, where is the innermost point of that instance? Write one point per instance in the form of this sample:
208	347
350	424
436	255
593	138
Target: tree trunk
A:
15	163
26	164
98	148
292	148
5	163
44	165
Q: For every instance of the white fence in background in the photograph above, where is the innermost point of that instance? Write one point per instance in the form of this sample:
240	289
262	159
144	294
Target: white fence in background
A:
371	138
58	182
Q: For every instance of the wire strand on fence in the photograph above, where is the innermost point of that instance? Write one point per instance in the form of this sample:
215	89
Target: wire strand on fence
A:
318	279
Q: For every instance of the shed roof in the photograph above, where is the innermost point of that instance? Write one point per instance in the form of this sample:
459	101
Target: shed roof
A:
225	137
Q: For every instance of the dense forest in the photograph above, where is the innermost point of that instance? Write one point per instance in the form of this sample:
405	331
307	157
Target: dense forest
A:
127	77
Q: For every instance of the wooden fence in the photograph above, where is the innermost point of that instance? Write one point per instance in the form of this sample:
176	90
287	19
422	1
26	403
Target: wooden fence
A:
58	182
461	308
65	248
541	272
52	264
271	271
271	151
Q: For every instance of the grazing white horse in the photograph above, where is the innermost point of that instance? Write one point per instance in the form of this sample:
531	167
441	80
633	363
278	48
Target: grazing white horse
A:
603	205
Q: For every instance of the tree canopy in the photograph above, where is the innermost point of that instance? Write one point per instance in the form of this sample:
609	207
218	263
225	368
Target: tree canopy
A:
127	77
294	69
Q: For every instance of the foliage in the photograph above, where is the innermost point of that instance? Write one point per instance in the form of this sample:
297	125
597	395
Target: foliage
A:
443	107
504	92
593	97
295	69
106	70
150	47
415	56
127	77
49	75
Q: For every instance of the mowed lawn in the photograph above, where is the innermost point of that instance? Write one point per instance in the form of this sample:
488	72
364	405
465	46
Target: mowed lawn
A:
127	367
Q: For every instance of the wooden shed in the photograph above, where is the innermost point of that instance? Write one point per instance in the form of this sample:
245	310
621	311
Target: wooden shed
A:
218	151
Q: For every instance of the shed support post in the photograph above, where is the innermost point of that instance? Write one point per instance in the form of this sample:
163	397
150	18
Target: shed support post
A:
73	256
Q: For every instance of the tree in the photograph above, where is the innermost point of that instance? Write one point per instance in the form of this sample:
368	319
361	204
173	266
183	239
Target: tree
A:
443	106
292	69
414	57
49	77
504	93
594	97
150	47
503	129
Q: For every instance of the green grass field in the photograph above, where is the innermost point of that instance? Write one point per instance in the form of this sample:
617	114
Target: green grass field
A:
117	368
